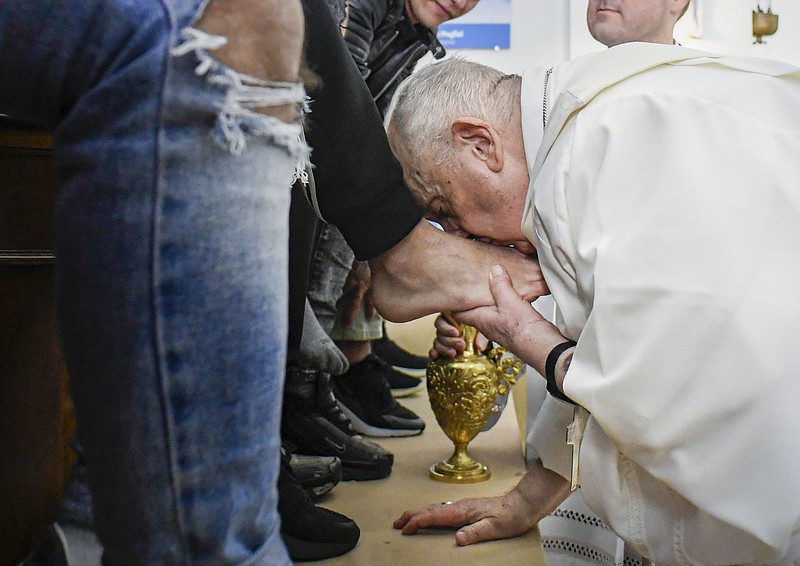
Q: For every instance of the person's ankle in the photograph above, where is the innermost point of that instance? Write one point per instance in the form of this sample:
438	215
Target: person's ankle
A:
355	350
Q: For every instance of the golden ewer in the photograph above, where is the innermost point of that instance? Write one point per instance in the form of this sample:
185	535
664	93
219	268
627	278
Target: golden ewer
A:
463	392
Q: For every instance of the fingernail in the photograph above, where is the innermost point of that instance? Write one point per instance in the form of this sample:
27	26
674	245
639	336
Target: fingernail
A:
496	270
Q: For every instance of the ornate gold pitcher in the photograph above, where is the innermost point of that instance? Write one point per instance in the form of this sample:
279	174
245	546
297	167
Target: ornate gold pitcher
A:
462	392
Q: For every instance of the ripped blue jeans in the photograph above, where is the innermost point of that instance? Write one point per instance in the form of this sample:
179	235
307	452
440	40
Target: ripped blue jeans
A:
171	269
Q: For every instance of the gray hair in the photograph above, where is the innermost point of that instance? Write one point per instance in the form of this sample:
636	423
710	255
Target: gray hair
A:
427	103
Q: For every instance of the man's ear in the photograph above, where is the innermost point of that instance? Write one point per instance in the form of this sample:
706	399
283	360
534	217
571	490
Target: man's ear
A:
481	139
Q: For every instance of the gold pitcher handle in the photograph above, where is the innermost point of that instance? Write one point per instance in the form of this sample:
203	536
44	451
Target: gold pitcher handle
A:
508	368
468	333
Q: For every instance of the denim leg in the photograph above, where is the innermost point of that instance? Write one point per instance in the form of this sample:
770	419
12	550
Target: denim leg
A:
330	265
171	271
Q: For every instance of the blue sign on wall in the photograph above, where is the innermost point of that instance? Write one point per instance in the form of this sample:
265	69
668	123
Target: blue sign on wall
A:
487	26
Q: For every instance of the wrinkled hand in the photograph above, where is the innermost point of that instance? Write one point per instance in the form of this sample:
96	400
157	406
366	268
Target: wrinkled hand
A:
511	322
477	519
357	293
449	342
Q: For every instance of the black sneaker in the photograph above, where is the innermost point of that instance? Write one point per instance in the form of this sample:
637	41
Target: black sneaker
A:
317	474
315	425
403	385
365	397
400	359
310	532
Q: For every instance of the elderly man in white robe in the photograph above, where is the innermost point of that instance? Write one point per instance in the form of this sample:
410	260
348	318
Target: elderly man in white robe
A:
572	534
661	189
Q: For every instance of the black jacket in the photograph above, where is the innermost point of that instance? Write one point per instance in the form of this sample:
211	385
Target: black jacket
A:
385	44
359	182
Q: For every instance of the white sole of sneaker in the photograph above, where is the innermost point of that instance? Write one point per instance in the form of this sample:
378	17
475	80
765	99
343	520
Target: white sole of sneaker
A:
371	430
418	373
408	391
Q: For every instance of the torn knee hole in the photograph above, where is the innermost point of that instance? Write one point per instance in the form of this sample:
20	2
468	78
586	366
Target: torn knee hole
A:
250	105
288	113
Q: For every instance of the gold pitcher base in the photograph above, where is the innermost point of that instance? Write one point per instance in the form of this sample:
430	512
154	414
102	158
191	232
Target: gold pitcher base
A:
473	473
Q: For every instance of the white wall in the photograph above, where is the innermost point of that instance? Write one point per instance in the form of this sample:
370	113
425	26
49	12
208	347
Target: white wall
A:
539	36
726	28
544	32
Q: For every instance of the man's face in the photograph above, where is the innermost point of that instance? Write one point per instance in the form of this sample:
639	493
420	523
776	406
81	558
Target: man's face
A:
431	13
612	22
470	206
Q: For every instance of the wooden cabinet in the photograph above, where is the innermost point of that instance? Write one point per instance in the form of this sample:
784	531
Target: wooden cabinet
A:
36	416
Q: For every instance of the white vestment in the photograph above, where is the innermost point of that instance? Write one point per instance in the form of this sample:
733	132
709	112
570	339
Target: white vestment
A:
665	206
